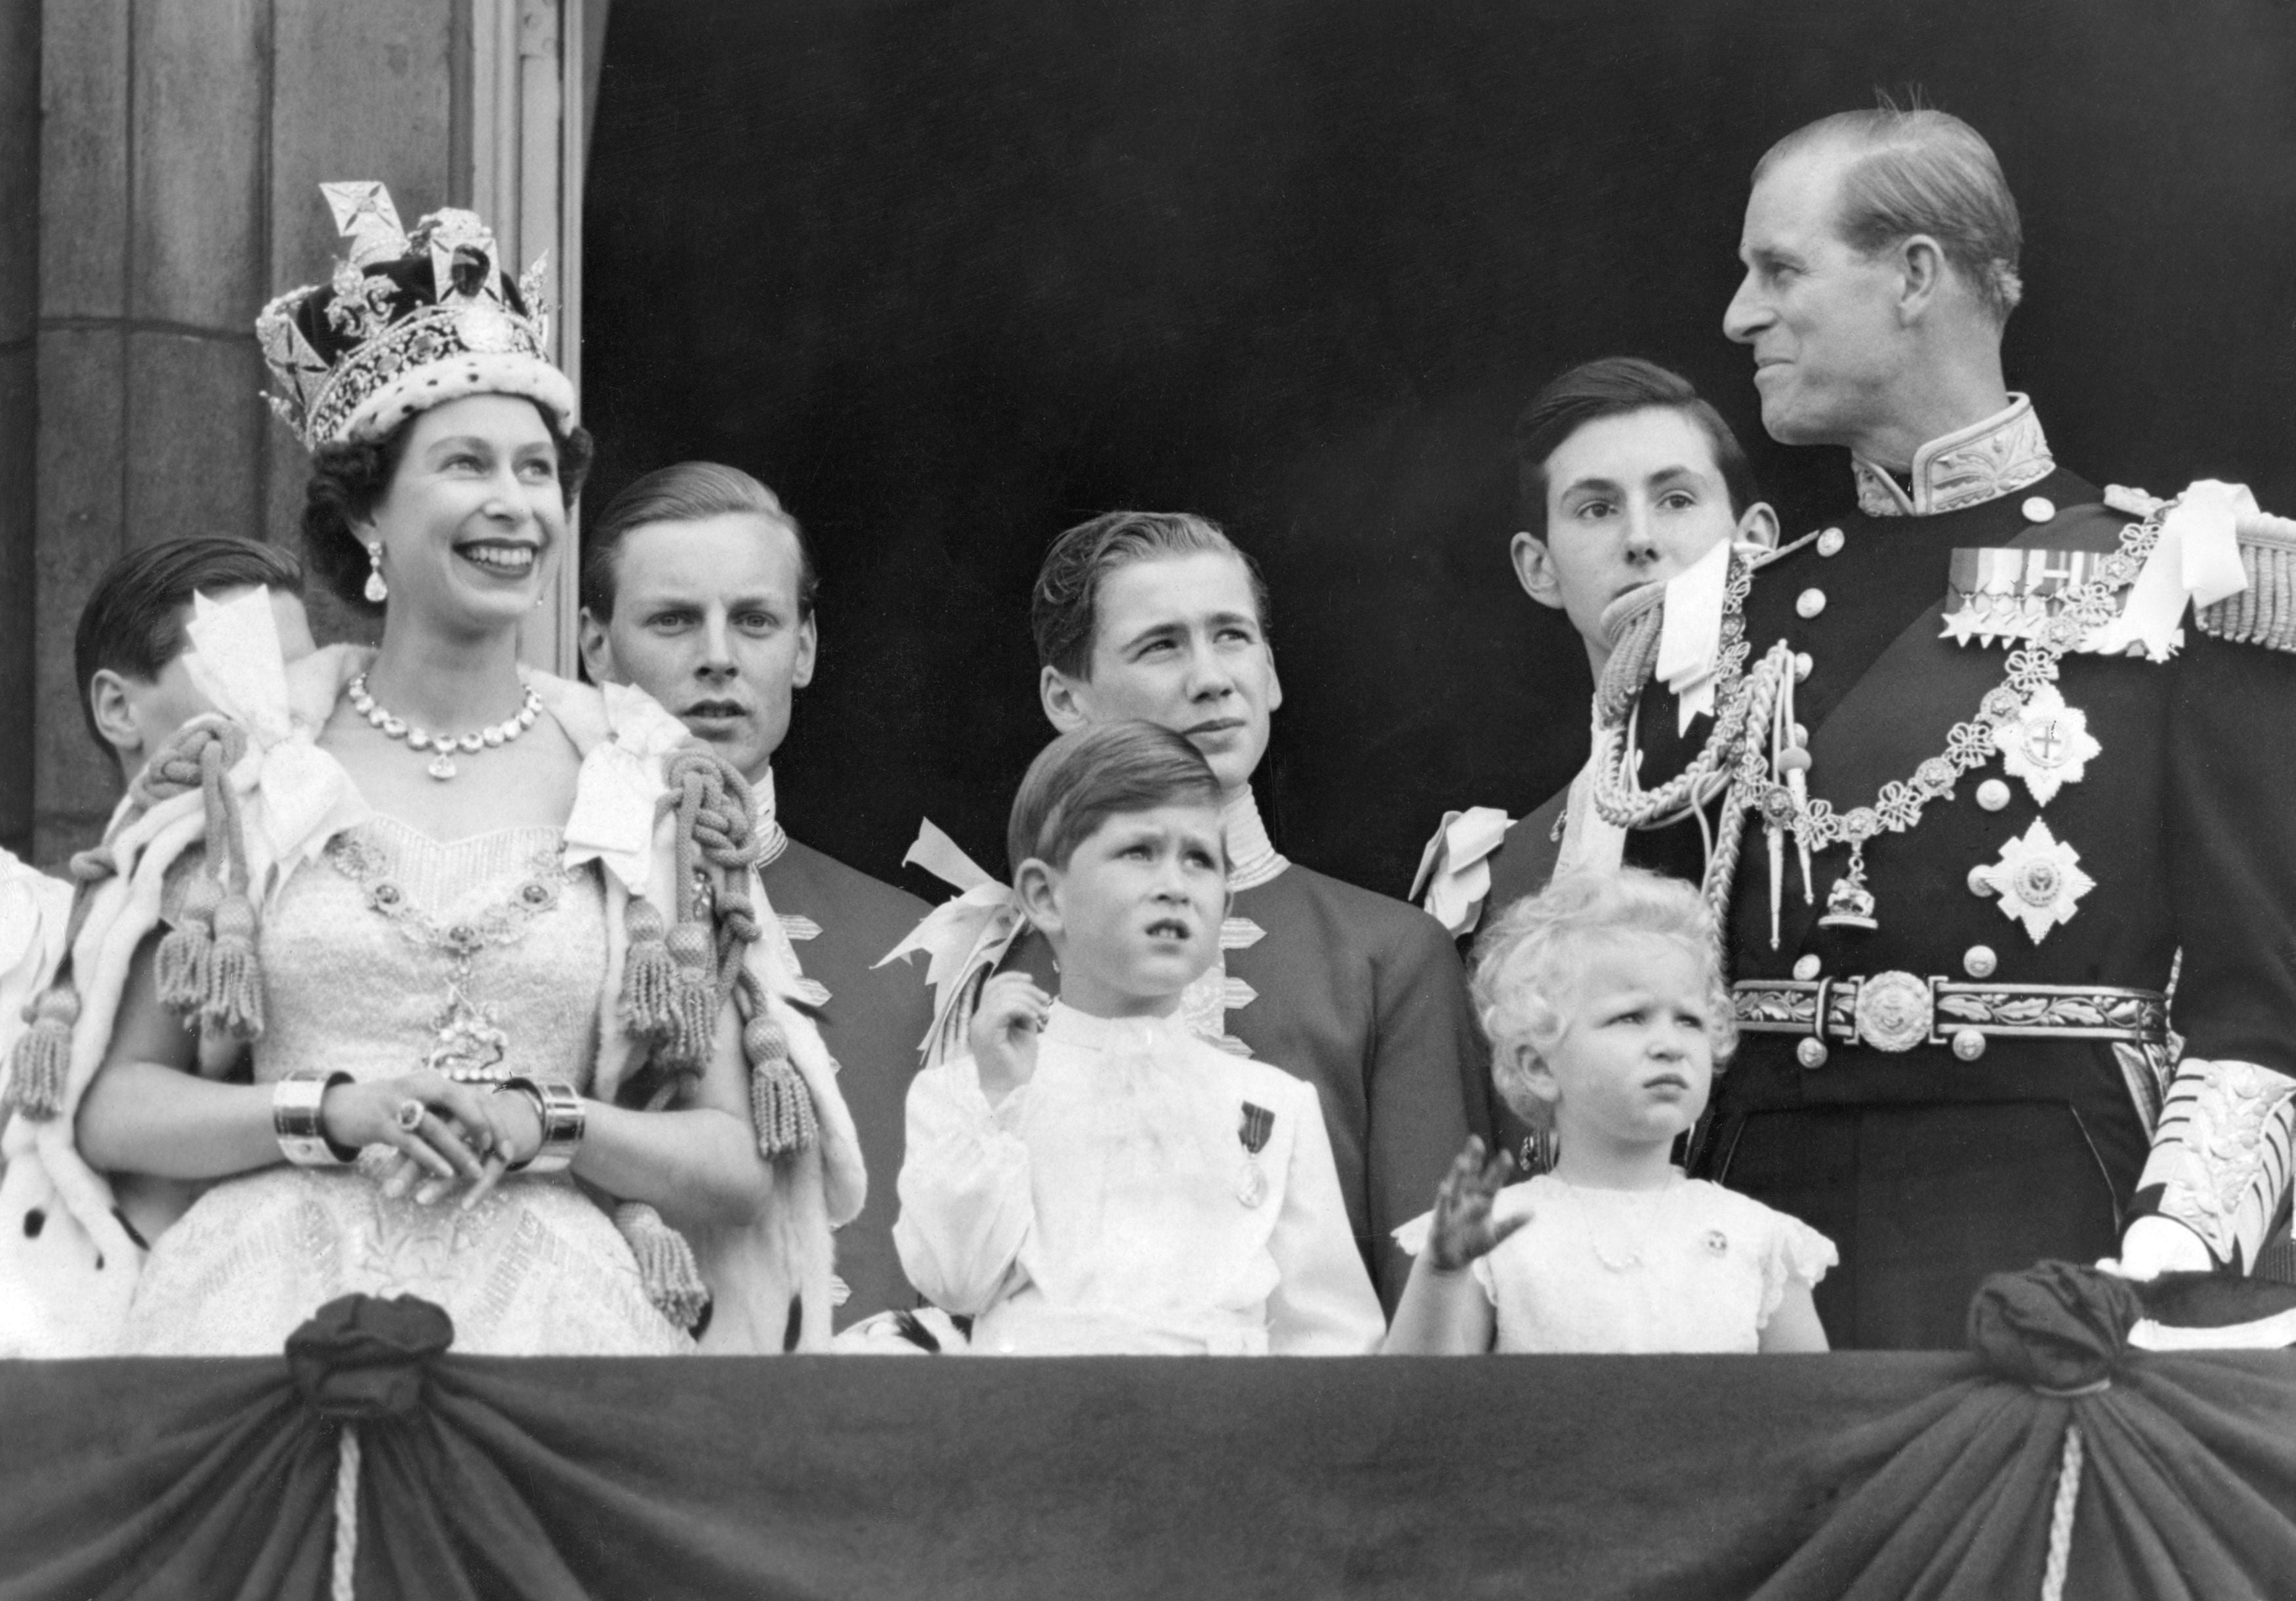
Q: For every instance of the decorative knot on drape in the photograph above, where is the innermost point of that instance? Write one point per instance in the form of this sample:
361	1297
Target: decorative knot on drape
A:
359	1359
2060	1328
2062	1331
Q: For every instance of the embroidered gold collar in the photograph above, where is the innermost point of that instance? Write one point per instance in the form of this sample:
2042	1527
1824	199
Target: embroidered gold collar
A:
1997	456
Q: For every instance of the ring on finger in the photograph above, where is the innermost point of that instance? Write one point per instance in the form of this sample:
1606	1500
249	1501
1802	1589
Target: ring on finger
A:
411	1114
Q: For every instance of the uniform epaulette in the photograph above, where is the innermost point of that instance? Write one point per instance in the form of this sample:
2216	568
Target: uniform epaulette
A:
2265	613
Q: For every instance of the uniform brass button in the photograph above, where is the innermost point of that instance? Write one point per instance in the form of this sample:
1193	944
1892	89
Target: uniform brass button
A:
1810	603
1979	961
1802	735
1830	542
1968	1044
1978	884
1804	664
1810	1053
1806	968
1993	794
2040	508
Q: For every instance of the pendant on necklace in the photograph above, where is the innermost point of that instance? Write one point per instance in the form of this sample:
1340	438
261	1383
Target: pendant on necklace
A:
1850	904
468	1048
442	768
1632	1258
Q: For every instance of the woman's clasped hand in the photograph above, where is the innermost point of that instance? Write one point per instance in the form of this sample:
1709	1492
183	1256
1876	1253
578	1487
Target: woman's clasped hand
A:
449	1136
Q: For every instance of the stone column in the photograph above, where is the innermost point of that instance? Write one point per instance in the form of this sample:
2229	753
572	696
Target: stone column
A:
20	304
180	153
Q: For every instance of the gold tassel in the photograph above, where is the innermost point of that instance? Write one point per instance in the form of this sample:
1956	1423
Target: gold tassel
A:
780	1104
234	997
41	1063
185	954
693	1006
666	1265
649	975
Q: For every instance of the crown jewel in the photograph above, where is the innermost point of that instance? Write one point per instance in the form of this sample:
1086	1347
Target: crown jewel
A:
407	321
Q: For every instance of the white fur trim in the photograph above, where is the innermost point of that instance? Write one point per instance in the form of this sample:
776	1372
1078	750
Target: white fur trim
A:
457	377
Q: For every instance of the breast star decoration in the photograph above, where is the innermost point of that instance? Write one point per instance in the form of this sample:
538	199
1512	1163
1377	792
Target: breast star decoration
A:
2038	879
2048	746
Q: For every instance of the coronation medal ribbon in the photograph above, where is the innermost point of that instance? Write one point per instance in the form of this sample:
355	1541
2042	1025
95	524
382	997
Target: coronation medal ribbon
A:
1259	1123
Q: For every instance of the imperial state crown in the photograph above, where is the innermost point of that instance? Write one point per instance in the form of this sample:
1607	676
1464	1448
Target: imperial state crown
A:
408	321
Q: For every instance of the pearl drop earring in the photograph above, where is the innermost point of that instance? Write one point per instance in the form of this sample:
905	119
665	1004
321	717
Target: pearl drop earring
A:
377	591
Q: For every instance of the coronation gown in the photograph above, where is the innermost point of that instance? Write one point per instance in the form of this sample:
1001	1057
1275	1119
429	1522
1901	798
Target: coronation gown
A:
387	949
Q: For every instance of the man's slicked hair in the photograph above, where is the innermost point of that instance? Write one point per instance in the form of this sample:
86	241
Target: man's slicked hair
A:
1615	386
1064	612
688	492
1921	171
1090	775
133	623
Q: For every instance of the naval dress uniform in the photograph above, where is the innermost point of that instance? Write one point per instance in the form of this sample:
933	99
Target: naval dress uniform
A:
1955	1056
1357	993
838	923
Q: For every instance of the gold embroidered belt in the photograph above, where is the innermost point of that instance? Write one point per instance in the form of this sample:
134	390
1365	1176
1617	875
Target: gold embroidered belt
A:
1897	1011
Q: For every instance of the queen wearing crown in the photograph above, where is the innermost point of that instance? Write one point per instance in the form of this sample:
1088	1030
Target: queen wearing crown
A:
493	941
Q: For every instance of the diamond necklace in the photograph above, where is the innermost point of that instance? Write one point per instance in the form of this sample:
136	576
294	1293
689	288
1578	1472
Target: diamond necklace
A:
442	767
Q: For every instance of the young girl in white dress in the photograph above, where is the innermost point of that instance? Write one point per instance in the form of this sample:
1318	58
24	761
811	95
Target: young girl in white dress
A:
1608	1016
1095	1178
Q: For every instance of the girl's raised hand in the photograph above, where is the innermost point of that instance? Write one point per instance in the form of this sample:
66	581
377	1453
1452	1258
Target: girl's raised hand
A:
1463	1228
1003	1033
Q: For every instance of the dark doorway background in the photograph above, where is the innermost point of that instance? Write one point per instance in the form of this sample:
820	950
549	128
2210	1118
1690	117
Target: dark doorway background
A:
951	276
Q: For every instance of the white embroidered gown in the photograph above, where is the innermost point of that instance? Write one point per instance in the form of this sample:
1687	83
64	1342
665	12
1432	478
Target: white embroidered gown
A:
357	958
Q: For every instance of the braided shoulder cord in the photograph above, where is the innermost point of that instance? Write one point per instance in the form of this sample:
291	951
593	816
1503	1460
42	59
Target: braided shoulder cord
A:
1618	796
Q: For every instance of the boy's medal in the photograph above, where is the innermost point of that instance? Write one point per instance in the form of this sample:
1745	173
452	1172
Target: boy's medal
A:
1259	1122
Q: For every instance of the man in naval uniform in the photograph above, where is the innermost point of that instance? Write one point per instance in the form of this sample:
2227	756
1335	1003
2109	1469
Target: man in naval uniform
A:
2016	751
1159	616
697	588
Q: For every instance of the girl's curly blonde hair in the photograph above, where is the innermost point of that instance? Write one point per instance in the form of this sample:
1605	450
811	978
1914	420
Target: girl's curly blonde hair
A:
1529	964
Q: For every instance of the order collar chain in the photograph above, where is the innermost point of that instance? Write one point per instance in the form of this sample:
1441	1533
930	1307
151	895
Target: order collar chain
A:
1754	756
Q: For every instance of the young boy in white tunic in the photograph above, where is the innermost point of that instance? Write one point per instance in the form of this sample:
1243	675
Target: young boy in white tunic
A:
1604	998
1095	1178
